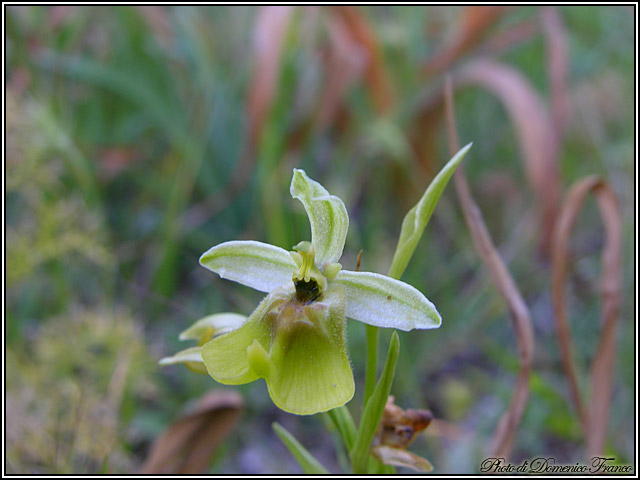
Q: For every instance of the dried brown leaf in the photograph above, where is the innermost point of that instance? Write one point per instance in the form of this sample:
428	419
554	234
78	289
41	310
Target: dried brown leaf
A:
534	126
473	22
595	416
557	67
401	458
424	133
376	75
346	62
268	38
187	445
510	421
398	427
397	430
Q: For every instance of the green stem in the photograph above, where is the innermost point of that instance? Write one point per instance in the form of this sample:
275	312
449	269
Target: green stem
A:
373	333
343	422
373	410
372	361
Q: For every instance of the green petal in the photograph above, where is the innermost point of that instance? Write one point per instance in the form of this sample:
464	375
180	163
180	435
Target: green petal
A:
254	264
213	325
417	218
226	356
190	357
310	371
327	215
386	302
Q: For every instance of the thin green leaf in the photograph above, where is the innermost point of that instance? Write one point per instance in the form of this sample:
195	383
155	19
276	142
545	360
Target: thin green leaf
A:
371	368
310	465
327	214
341	418
374	409
417	218
131	87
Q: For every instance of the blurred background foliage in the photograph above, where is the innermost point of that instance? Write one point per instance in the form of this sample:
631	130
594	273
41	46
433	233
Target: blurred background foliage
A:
138	137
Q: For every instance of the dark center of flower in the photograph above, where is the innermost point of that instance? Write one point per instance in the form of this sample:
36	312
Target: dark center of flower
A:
309	282
306	292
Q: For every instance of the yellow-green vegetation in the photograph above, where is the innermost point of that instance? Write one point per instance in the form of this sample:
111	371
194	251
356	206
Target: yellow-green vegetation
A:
52	222
69	390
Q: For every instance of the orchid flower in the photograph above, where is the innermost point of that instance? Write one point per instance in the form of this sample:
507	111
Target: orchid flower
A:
295	339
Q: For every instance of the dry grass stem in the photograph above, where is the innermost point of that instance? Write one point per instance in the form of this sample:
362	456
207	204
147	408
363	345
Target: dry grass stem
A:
595	414
504	435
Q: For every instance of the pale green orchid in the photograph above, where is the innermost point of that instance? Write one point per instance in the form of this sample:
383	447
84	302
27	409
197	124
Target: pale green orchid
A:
295	339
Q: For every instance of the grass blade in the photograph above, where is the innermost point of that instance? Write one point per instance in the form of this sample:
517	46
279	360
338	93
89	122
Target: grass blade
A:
510	421
374	409
534	126
308	462
595	414
343	421
417	218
